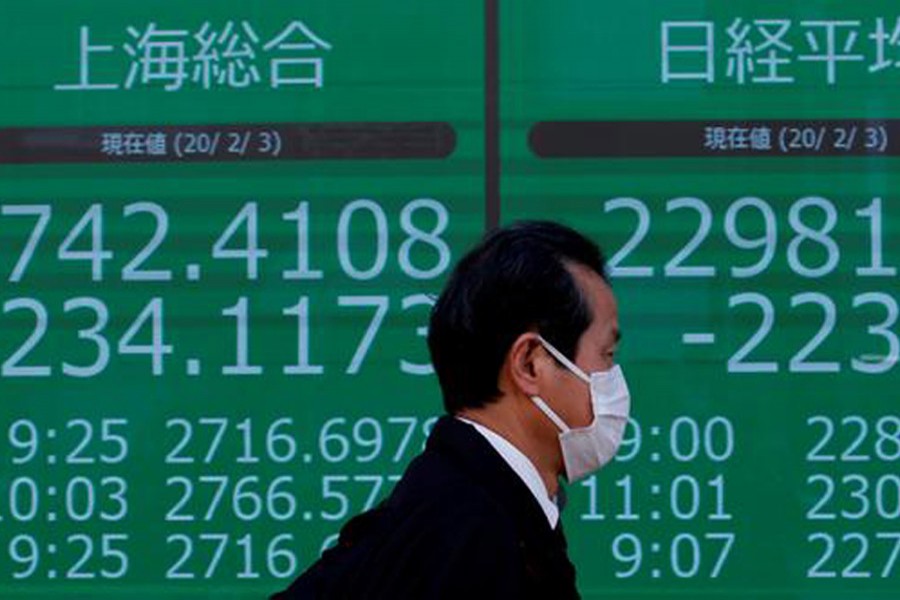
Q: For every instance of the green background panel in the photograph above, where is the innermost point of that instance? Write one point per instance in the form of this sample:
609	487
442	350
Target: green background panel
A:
602	62
409	61
387	63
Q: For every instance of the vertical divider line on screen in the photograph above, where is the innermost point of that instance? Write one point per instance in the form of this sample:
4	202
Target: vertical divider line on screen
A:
491	114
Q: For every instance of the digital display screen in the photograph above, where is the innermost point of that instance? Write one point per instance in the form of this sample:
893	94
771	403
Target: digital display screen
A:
223	224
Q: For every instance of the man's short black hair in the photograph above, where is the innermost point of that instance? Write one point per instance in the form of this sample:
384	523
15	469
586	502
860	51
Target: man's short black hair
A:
514	281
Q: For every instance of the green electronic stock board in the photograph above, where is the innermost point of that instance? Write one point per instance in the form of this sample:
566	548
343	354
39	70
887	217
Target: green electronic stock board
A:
222	225
737	162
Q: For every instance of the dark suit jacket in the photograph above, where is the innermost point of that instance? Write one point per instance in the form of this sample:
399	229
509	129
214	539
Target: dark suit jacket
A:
459	524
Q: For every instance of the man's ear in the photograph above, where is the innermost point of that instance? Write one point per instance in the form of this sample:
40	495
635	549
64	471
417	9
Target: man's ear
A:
525	363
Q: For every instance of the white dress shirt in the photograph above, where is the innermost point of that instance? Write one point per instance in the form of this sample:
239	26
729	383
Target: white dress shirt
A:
523	467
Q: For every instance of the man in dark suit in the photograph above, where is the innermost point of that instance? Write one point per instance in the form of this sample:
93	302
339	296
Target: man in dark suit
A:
522	340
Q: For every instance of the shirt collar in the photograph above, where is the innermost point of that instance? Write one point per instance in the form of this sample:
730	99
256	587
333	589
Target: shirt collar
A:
521	466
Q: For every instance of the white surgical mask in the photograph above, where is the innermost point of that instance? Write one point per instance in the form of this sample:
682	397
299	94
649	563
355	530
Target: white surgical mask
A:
587	449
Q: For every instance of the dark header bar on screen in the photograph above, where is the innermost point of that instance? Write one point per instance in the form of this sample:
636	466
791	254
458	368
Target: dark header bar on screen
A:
227	142
711	138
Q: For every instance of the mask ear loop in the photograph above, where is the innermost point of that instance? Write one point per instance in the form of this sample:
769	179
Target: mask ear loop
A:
550	414
565	361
